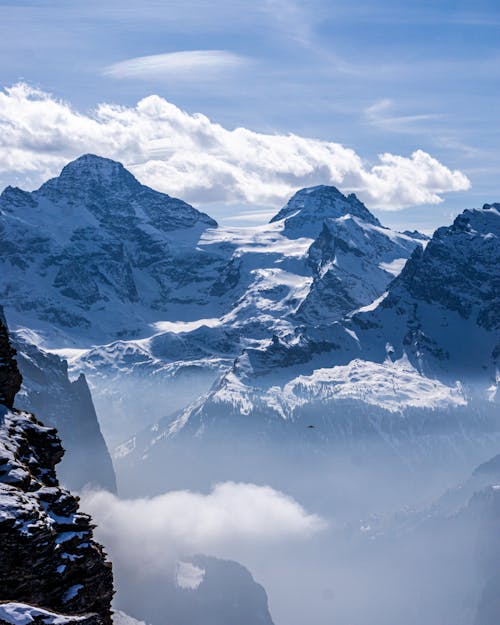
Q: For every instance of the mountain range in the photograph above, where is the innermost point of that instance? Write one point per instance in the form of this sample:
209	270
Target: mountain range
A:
321	353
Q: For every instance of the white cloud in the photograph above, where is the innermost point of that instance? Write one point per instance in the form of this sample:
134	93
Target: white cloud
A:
186	65
152	533
189	156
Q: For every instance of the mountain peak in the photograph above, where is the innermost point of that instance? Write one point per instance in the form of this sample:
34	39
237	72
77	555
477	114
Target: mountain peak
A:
90	169
306	211
495	205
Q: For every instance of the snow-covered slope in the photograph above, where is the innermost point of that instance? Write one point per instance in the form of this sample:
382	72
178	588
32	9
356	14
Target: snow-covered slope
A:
440	313
353	261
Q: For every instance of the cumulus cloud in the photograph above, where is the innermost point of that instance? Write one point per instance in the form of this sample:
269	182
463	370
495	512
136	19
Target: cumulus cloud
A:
152	533
190	156
186	65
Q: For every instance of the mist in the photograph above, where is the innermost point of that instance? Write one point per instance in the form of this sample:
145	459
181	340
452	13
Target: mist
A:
321	563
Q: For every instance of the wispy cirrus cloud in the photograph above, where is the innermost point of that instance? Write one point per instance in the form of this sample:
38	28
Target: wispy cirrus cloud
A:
184	65
382	114
190	156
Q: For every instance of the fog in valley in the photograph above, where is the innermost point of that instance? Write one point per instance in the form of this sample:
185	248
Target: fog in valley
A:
352	534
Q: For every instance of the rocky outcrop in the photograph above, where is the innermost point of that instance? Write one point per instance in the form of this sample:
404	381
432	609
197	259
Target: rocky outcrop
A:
48	557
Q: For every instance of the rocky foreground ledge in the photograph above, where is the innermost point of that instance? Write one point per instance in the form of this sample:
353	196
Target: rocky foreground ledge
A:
51	569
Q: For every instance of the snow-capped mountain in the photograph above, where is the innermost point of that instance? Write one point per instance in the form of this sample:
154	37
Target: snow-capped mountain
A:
306	211
94	255
128	283
415	370
439	316
313	309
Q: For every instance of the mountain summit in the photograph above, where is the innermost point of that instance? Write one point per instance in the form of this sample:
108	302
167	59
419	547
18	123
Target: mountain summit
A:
90	169
306	211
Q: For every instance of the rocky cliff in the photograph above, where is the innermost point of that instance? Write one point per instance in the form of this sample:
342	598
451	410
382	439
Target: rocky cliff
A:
51	569
67	405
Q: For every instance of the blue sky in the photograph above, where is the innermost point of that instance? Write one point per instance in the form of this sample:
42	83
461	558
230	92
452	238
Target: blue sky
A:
386	76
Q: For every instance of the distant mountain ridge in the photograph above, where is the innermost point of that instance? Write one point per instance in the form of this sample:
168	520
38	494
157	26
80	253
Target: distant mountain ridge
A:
94	239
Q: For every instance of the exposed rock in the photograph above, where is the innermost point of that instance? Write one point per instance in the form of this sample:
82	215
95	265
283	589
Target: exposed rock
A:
10	378
48	557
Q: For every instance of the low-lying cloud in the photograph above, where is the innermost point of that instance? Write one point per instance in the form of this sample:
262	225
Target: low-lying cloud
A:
151	533
190	156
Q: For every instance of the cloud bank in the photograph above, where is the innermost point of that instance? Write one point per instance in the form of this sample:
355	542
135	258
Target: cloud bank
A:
152	533
189	156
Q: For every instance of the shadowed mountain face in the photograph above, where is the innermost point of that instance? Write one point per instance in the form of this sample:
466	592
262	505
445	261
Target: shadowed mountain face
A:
48	557
204	590
67	406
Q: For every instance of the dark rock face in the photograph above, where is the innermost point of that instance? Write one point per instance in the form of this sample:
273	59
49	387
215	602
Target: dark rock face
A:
10	378
48	392
48	557
459	268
